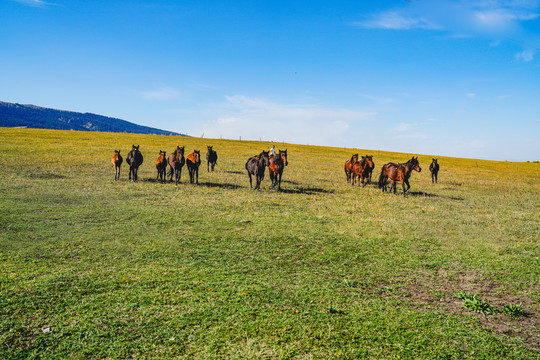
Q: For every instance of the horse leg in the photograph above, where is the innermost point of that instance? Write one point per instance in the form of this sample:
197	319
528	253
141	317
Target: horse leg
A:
393	186
403	182
408	186
197	174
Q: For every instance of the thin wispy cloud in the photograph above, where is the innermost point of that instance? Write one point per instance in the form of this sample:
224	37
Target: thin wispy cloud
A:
525	56
34	3
163	93
495	20
255	118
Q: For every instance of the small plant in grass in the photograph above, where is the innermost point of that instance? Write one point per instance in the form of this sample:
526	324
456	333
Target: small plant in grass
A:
473	303
513	311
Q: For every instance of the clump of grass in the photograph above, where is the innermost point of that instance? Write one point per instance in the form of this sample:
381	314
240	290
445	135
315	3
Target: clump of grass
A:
513	311
474	303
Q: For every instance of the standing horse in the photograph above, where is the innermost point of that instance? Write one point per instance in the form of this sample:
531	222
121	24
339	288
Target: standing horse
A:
176	161
276	164
161	166
255	166
434	169
348	166
211	158
362	169
193	162
134	158
117	161
398	172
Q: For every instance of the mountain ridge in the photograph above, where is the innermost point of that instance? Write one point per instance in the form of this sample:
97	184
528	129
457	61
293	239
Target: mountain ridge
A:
33	116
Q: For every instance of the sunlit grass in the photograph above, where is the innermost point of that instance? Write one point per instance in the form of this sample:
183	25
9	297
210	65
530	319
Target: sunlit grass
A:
319	270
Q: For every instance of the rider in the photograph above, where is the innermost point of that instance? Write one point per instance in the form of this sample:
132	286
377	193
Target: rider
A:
273	151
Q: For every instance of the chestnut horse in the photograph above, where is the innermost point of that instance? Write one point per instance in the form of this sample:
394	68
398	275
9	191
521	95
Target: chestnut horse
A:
434	169
211	158
398	172
134	158
348	166
256	166
176	161
117	161
363	169
161	166
276	164
193	161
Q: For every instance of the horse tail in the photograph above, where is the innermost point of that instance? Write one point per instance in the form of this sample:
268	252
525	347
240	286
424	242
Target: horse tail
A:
382	179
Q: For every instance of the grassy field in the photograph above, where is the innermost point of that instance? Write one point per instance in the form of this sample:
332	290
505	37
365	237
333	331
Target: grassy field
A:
93	268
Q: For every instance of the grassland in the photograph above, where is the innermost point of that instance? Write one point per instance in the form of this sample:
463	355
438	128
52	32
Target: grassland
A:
92	268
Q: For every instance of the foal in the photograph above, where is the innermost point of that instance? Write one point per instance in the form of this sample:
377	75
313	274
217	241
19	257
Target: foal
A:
117	161
161	166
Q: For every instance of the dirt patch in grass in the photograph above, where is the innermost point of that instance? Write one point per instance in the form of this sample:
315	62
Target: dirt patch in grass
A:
439	292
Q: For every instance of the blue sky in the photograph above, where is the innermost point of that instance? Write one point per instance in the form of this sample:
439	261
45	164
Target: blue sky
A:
439	77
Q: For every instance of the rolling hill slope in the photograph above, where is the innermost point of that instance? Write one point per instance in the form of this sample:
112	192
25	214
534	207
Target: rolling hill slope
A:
31	116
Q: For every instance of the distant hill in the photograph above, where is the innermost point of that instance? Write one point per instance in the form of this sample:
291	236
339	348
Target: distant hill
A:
31	116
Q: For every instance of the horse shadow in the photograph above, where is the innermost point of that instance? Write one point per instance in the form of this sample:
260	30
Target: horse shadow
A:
428	195
234	172
306	191
220	185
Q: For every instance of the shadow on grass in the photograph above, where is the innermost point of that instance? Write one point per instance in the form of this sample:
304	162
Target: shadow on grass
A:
428	195
220	185
306	191
234	172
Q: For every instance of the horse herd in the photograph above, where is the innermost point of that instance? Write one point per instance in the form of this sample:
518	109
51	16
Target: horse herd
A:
355	169
391	171
255	165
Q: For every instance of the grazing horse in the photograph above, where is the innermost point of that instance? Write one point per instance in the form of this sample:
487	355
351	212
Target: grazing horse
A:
348	166
193	161
434	168
276	164
176	161
117	161
363	169
255	166
398	172
211	158
134	158
161	166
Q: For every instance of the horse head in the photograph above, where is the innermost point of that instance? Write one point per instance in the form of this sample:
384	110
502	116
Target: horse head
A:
162	153
354	158
264	157
283	156
369	160
135	148
197	155
413	164
209	148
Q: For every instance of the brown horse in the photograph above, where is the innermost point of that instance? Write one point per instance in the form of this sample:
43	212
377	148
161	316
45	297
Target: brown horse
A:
276	164
117	162
348	166
161	166
211	158
176	161
362	169
134	158
434	169
193	161
256	166
398	172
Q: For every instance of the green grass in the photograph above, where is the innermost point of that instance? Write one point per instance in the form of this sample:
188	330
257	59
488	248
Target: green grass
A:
93	268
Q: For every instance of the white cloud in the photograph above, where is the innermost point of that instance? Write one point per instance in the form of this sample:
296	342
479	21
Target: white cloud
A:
471	95
395	20
255	118
163	93
525	55
35	3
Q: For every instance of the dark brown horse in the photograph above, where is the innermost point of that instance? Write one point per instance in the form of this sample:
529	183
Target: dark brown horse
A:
398	172
256	166
362	169
193	161
211	158
161	166
276	164
117	162
434	169
348	166
176	161
134	158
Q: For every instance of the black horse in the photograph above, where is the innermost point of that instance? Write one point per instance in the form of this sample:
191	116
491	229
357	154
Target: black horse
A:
434	168
211	158
134	158
255	166
176	161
